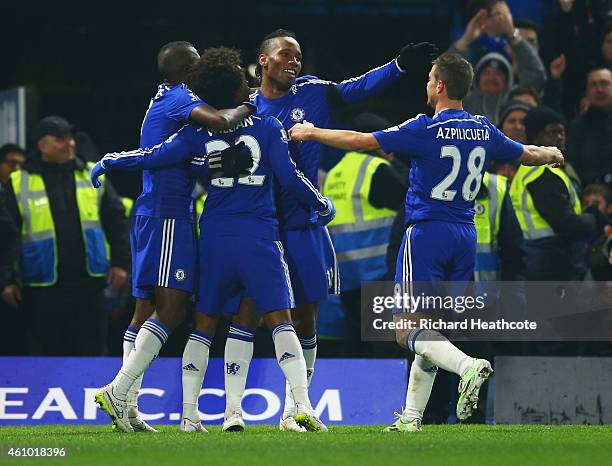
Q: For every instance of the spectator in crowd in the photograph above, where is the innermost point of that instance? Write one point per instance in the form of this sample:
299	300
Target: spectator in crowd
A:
553	88
548	207
494	76
525	94
12	330
606	48
367	191
528	30
573	30
589	147
600	259
66	226
598	195
511	124
511	120
12	158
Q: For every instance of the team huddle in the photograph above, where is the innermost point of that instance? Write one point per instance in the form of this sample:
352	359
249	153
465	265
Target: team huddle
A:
263	251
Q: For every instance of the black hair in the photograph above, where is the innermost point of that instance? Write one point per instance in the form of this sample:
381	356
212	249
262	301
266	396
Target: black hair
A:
456	73
538	118
521	90
265	45
173	60
217	76
474	6
601	189
526	23
6	149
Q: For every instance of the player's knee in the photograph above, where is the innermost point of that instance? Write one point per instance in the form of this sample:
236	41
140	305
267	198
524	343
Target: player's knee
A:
142	311
304	318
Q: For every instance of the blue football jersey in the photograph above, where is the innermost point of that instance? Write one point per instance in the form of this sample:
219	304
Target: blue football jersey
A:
243	206
308	100
448	155
167	192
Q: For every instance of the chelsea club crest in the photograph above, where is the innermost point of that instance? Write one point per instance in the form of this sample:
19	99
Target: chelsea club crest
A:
297	114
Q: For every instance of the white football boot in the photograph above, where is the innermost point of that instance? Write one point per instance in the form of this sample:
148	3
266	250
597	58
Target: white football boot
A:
187	425
116	408
138	424
233	422
288	423
469	386
307	419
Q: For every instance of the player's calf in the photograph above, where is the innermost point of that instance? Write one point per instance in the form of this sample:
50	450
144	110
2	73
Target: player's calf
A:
194	364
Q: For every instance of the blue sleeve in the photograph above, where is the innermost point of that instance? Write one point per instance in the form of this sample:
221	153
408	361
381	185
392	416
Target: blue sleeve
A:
355	90
503	148
285	170
184	102
180	147
403	139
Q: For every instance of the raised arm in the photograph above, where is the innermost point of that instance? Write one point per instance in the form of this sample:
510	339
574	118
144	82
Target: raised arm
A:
412	58
178	148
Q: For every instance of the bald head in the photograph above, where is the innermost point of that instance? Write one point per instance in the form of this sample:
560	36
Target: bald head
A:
174	60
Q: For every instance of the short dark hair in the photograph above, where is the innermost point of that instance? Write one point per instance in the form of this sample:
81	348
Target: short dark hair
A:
172	59
9	148
217	76
474	6
595	68
601	189
266	43
521	90
526	23
456	73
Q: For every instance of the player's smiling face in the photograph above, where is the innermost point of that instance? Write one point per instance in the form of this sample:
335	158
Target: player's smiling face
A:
283	62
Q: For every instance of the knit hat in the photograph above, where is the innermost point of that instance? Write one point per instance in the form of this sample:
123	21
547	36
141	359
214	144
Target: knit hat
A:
496	60
510	107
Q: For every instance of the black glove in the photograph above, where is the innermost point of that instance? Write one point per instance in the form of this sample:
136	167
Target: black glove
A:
417	56
233	162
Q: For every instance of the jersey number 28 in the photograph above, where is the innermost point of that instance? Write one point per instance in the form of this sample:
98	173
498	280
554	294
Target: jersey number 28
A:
217	145
471	185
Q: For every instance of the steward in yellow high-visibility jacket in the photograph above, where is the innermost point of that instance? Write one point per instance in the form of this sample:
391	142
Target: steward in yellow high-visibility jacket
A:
547	205
500	249
74	241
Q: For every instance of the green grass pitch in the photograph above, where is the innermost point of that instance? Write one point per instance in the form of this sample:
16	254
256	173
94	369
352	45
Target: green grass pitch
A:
342	445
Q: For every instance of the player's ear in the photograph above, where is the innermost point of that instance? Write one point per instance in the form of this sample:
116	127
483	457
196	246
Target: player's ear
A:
440	86
263	60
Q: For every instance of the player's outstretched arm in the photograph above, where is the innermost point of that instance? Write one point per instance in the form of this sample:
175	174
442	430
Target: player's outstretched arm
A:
179	147
540	155
412	58
210	117
338	138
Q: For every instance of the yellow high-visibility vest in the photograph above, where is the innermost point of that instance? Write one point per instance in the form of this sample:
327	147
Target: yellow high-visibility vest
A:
487	212
532	223
360	231
38	260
